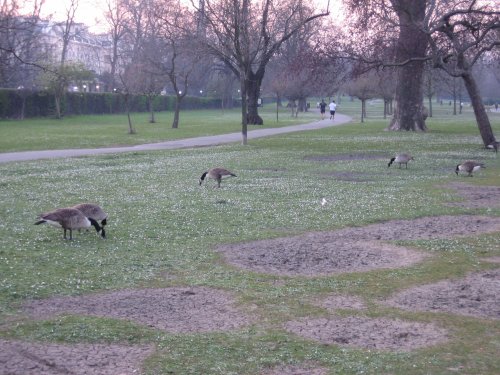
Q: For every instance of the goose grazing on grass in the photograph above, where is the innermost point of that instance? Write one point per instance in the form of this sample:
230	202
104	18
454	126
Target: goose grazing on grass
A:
401	159
469	166
68	219
95	212
494	145
216	174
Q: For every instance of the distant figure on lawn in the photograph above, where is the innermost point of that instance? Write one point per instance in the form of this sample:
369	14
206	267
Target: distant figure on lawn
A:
333	107
322	109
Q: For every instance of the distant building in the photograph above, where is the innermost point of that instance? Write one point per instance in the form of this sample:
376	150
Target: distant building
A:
91	50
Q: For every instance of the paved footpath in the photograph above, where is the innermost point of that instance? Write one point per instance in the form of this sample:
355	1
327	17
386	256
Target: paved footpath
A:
212	140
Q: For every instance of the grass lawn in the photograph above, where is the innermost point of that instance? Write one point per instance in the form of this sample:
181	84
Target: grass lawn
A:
112	130
163	228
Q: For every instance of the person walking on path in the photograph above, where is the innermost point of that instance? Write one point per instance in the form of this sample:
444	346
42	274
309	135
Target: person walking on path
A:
322	109
333	107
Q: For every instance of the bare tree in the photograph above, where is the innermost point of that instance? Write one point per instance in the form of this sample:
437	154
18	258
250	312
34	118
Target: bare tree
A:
394	37
386	88
20	55
460	33
452	87
429	86
363	87
175	56
245	35
67	31
116	17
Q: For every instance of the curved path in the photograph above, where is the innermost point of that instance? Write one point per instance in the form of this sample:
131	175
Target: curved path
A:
212	140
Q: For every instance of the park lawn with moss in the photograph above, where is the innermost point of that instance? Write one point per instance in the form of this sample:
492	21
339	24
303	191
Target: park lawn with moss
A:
95	131
163	228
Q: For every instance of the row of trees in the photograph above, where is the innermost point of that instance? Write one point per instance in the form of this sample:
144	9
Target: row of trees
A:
451	35
286	47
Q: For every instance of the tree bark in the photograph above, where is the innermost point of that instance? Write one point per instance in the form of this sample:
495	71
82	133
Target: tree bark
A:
253	93
177	109
483	122
244	117
412	43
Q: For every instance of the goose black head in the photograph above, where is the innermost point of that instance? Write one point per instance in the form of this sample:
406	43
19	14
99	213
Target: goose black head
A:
457	169
203	177
97	227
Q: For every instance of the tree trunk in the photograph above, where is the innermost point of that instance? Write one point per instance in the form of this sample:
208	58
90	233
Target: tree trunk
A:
130	127
412	43
23	108
152	119
253	94
363	111
483	122
302	105
57	99
177	109
244	117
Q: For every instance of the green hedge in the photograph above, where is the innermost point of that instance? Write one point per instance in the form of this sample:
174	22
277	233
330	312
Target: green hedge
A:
41	104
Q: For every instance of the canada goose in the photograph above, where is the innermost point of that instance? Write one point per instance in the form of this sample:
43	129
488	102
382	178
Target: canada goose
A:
469	166
216	174
494	145
401	159
68	219
95	212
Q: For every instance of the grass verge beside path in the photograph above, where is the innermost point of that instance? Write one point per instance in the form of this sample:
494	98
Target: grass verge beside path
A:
111	130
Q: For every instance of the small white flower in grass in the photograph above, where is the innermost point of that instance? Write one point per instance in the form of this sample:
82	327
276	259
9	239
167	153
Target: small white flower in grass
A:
324	202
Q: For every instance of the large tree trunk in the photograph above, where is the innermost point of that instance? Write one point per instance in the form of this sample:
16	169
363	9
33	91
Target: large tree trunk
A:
483	122
253	93
412	43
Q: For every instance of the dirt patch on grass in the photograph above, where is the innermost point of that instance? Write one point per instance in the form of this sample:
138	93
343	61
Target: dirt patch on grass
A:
475	295
22	358
178	310
335	302
346	157
320	257
369	333
491	259
295	370
200	309
351	249
476	196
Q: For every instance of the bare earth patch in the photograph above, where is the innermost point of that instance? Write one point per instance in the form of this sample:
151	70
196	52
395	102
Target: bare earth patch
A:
476	196
369	333
491	259
321	257
475	295
22	358
178	310
336	302
347	157
295	370
200	309
351	249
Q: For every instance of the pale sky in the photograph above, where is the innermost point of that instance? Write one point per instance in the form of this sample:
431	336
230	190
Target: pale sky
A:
90	11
